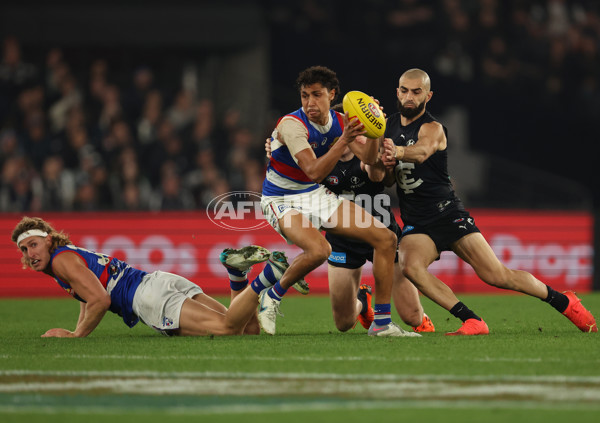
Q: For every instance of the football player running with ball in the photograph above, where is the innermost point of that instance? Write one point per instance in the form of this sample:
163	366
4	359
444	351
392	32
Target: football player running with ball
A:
435	219
307	145
351	300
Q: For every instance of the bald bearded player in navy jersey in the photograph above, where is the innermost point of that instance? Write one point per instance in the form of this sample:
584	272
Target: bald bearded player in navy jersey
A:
435	220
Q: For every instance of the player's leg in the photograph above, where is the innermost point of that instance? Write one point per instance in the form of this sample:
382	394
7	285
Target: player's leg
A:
203	315
298	230
350	300
475	251
252	327
406	299
416	253
173	305
343	289
238	263
352	221
244	305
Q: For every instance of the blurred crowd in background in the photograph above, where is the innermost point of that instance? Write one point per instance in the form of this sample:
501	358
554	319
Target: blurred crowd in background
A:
90	139
88	143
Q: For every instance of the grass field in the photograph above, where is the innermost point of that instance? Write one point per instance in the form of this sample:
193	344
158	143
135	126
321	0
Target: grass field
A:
535	366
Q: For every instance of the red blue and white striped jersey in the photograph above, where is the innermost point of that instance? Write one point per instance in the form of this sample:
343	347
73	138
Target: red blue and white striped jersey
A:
284	176
118	278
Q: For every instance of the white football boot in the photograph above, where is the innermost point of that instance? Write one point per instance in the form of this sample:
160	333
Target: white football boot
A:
268	311
391	329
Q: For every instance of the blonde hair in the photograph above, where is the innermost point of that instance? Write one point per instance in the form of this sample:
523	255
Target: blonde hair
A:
59	239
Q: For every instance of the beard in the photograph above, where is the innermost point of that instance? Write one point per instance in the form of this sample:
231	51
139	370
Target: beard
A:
410	112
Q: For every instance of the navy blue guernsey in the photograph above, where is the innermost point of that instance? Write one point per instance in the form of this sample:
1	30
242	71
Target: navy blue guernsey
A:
425	191
348	180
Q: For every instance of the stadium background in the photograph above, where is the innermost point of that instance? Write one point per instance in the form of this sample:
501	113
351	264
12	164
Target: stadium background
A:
121	120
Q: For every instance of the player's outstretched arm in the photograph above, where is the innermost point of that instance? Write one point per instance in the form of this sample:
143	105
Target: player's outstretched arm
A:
431	139
319	168
70	268
64	333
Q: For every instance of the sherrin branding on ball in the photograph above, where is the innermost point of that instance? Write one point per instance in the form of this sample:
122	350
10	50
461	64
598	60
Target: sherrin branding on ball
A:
362	106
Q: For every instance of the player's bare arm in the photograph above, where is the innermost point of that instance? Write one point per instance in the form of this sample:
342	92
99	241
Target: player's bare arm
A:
70	268
431	139
368	152
318	169
376	172
81	313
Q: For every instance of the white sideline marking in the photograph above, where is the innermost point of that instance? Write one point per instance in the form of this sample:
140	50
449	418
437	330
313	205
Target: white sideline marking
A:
304	376
381	386
393	390
334	391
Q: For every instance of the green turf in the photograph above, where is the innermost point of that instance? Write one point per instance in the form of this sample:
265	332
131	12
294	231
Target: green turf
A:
531	347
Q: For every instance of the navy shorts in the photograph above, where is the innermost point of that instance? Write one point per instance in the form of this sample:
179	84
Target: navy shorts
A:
446	230
351	254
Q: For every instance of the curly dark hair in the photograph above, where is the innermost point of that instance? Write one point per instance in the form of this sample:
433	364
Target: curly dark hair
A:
59	239
319	74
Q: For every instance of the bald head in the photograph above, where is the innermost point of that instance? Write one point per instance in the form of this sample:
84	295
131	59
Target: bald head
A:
413	92
417	74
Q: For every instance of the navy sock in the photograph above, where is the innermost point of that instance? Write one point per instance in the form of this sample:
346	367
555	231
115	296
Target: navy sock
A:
264	280
463	312
383	314
362	297
238	286
277	292
238	279
557	300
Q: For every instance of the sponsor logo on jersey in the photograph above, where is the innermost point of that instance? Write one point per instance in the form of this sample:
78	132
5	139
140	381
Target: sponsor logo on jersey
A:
337	257
314	145
333	180
282	207
458	220
443	204
407	228
404	178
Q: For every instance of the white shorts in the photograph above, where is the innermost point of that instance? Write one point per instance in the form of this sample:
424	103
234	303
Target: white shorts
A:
317	205
159	298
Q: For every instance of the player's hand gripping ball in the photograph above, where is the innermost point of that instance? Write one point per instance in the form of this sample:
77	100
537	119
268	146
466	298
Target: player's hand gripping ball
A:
362	106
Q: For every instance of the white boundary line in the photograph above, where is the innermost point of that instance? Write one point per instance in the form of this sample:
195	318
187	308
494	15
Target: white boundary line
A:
332	391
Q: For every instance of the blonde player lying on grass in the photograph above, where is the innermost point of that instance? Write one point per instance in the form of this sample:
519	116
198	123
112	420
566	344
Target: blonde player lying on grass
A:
168	303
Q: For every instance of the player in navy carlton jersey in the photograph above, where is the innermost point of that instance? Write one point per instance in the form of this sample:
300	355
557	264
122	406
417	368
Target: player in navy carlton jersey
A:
363	184
307	145
415	151
168	303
